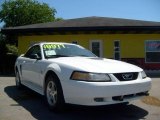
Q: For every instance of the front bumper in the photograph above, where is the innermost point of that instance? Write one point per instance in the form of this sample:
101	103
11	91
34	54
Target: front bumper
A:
103	93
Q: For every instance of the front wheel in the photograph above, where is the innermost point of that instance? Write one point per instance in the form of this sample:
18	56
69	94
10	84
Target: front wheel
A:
54	94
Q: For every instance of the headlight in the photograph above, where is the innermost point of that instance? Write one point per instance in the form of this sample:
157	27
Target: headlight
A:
143	74
90	77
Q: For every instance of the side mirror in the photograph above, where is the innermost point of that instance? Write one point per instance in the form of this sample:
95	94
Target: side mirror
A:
35	56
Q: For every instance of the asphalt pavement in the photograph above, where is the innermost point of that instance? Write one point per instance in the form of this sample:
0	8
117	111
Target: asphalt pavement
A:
27	105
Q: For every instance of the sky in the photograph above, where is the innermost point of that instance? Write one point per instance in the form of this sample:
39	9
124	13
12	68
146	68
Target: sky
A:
148	10
131	9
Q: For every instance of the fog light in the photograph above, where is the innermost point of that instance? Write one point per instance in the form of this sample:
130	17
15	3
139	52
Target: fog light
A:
99	99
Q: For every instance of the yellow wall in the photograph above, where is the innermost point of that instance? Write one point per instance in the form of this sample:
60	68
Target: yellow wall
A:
132	45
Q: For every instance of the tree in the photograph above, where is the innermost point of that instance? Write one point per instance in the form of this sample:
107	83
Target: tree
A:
17	13
22	12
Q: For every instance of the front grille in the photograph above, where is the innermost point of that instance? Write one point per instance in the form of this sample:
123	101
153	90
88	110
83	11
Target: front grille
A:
126	76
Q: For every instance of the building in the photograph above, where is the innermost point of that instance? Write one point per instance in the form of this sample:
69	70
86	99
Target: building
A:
134	41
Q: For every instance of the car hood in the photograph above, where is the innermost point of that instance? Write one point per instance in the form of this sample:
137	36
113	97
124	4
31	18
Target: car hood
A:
96	65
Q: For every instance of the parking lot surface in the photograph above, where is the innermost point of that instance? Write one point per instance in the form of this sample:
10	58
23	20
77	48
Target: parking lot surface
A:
27	105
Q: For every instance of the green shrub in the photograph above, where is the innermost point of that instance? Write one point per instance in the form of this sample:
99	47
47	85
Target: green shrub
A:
12	49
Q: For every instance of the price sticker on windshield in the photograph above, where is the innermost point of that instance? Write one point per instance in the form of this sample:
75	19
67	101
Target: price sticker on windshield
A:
50	52
53	46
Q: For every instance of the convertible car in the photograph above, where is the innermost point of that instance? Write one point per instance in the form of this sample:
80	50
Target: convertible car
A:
68	73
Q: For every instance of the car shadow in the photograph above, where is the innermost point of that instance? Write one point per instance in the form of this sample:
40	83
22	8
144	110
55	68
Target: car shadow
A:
35	104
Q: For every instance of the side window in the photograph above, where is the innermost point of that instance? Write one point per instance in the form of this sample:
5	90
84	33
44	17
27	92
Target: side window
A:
34	51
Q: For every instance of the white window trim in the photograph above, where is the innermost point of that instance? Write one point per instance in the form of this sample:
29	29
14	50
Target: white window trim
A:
148	51
101	46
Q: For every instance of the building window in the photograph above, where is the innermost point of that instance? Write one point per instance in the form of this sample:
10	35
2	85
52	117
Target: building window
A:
96	47
152	51
74	42
117	50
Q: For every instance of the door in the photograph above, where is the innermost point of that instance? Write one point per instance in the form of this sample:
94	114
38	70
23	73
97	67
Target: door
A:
117	50
96	47
31	67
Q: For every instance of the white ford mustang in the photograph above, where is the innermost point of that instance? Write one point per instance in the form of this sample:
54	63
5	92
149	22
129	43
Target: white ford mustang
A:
68	73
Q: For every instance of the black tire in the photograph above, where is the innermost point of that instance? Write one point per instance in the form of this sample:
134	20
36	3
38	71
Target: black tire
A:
54	94
18	80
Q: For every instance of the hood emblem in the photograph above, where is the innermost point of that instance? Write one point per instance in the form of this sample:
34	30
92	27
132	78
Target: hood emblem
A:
127	76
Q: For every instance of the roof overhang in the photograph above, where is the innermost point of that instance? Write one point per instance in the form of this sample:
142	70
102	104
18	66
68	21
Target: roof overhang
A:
87	24
70	29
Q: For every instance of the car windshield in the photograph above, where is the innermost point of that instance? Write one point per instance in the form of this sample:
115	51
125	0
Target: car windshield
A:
65	50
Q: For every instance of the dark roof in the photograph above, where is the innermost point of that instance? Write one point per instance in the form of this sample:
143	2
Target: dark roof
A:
87	23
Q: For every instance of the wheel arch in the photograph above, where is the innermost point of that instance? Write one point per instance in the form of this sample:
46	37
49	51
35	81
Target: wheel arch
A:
50	72
16	69
61	101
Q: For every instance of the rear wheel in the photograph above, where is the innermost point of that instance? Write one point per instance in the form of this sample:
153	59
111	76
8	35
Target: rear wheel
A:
54	94
18	81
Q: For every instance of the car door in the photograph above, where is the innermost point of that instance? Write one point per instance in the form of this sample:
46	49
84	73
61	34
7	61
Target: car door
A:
31	67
